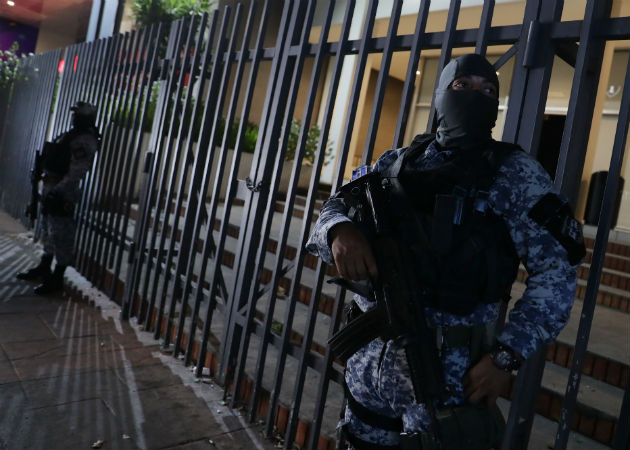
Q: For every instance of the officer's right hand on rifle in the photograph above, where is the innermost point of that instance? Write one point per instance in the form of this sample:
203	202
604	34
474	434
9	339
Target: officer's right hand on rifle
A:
353	254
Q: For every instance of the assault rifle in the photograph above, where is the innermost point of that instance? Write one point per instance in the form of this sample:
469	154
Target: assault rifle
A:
36	176
398	313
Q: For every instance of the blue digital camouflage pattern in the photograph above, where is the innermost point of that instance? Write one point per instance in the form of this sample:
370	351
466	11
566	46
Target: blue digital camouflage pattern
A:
535	320
58	231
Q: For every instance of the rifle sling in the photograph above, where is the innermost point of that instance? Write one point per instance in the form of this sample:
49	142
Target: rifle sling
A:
370	417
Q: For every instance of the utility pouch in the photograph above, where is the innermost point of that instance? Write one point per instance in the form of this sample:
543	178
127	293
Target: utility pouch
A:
468	427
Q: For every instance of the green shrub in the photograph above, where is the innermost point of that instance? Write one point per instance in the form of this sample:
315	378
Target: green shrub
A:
149	12
310	147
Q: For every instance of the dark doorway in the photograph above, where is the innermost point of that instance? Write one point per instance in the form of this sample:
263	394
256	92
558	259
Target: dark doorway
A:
550	140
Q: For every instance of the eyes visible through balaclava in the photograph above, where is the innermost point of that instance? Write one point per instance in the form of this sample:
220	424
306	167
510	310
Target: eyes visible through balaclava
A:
466	102
475	83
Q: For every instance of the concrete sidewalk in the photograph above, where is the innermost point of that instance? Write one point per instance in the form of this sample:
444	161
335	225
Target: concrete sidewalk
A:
72	375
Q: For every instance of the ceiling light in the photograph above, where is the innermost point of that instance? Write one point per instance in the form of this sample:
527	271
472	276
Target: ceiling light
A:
417	72
10	3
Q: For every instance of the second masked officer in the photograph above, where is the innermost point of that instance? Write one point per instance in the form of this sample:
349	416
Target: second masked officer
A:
509	213
66	160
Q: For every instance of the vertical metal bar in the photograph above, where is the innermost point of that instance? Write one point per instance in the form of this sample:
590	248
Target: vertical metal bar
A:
87	188
112	193
68	81
410	77
582	101
381	83
597	262
206	61
197	198
62	77
162	155
149	75
312	194
127	171
106	155
169	166
532	72
445	56
310	204
178	166
231	188
199	187
621	439
278	270
484	27
151	171
209	245
273	149
364	50
362	57
105	80
530	84
274	97
112	156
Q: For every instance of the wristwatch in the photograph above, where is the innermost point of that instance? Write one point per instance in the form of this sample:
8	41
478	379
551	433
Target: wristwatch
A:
505	358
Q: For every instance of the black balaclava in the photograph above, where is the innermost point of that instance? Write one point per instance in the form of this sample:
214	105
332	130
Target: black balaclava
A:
465	118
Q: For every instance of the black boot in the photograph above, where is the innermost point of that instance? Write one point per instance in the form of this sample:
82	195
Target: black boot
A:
39	272
53	284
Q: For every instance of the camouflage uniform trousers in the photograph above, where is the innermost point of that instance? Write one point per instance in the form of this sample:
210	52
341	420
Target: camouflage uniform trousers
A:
378	378
58	237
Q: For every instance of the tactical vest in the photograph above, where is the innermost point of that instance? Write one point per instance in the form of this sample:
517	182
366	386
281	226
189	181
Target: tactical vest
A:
57	155
466	256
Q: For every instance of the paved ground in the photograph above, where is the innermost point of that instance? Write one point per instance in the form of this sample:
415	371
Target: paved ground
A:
72	374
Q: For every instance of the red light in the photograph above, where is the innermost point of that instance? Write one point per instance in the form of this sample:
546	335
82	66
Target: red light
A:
60	66
76	59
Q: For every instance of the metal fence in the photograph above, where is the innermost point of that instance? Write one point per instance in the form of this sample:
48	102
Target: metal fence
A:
212	261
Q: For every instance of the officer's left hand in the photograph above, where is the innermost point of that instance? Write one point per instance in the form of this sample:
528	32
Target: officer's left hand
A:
485	380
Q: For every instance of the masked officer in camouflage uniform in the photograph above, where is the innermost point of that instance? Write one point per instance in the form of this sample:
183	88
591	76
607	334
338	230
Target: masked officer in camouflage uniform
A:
65	162
541	233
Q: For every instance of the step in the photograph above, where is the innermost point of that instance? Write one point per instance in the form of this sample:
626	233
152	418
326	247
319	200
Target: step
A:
598	404
611	261
544	431
613	247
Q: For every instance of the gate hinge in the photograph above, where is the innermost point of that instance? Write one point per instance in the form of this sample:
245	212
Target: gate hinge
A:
254	187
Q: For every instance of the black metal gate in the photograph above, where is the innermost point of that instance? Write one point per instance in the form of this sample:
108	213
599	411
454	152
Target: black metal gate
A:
185	223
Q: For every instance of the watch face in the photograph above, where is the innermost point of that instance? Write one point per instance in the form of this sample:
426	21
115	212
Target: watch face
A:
503	358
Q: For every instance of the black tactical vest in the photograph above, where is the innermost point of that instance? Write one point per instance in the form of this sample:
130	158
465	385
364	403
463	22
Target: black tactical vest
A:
466	256
57	154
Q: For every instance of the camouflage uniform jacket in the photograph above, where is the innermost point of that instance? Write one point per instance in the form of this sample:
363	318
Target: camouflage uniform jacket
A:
544	309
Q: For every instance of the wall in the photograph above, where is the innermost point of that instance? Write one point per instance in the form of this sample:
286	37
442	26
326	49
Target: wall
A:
24	35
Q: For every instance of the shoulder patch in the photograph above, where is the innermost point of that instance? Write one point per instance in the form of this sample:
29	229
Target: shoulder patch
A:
554	214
